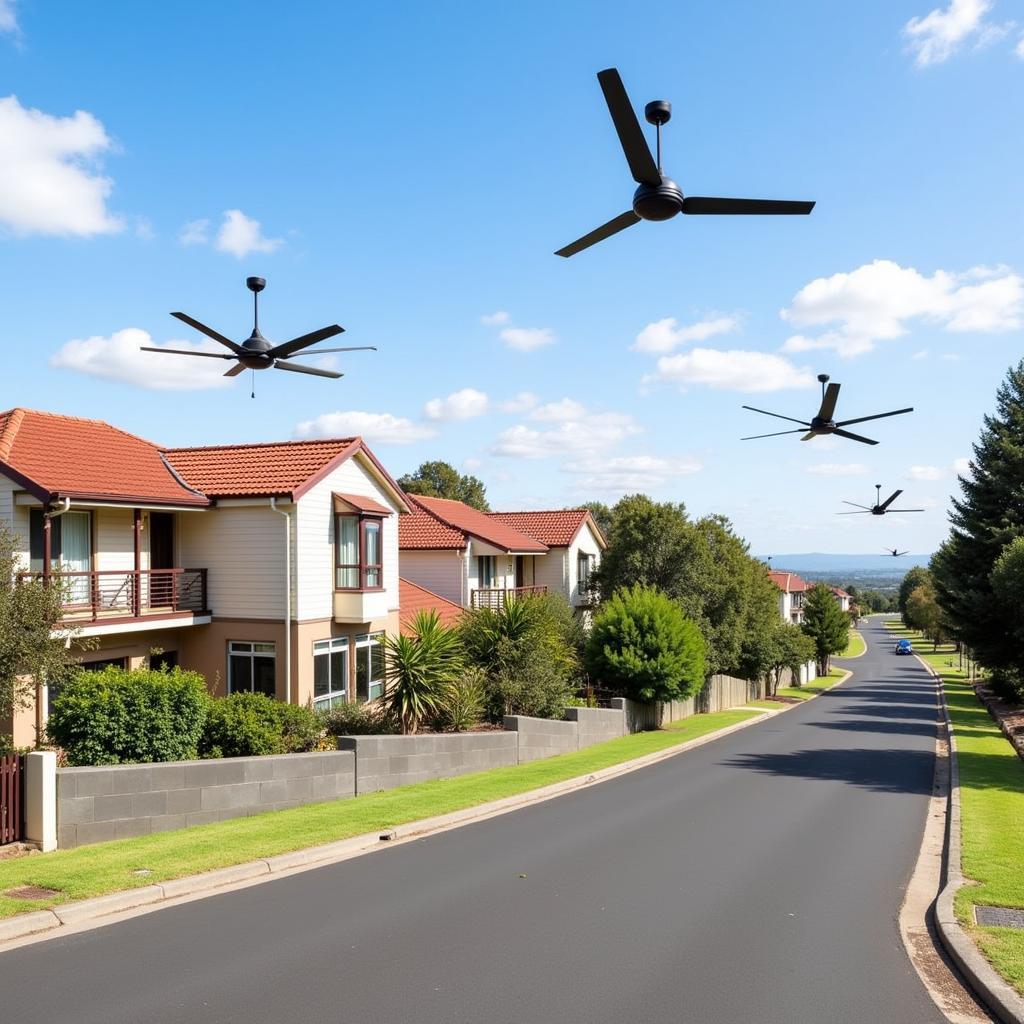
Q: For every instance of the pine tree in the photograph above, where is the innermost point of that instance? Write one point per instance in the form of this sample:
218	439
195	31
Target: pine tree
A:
986	518
826	624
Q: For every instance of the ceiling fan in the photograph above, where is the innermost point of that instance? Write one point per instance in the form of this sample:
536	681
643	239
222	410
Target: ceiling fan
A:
895	552
880	508
823	423
658	197
256	352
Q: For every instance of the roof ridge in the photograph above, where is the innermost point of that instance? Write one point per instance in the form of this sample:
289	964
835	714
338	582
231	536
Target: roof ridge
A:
78	419
264	444
538	512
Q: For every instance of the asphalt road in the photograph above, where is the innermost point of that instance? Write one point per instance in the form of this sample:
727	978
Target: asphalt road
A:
755	879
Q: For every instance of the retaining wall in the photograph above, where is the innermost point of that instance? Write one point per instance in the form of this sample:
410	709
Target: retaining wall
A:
541	737
117	801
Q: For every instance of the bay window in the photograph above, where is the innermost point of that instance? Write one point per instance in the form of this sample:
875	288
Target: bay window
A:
358	552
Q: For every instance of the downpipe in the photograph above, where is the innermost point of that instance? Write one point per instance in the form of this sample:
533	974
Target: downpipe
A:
287	599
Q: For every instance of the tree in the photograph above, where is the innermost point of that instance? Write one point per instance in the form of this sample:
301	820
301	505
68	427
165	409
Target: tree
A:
826	624
923	612
792	649
442	480
642	646
910	582
602	515
30	651
1008	582
986	519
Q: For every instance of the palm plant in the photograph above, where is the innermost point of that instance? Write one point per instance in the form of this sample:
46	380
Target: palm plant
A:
419	669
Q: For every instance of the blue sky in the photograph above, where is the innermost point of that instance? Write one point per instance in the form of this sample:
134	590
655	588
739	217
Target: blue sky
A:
407	171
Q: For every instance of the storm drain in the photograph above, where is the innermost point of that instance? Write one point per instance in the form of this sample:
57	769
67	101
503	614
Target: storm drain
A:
32	892
999	917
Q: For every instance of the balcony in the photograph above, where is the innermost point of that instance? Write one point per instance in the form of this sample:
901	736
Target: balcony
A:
130	594
497	597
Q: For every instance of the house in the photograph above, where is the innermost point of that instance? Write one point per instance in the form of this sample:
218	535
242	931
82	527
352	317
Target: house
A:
414	599
476	559
266	567
791	595
842	597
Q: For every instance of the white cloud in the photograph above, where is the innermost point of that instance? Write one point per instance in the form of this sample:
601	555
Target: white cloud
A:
526	339
838	469
587	434
50	182
922	354
495	319
523	402
565	409
665	335
962	467
241	235
9	18
375	427
876	301
925	473
733	370
119	358
459	405
630	472
935	37
472	464
195	232
1019	48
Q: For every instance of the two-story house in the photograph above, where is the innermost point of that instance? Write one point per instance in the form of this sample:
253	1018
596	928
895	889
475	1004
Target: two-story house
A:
267	567
479	559
791	595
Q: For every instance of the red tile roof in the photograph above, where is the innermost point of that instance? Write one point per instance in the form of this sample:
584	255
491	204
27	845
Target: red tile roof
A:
463	521
413	599
361	503
556	528
420	531
789	582
57	456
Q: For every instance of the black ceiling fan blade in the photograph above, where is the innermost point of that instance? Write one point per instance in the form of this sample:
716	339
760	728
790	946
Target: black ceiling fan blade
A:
715	205
235	370
828	402
351	348
866	512
877	416
904	510
631	136
777	433
866	508
209	332
852	437
285	349
777	415
186	352
892	497
314	371
613	227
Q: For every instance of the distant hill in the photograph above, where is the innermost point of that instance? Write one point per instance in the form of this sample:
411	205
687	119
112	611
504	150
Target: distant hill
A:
868	572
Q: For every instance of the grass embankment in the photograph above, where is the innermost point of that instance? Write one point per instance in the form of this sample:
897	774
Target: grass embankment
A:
109	867
855	646
814	687
992	812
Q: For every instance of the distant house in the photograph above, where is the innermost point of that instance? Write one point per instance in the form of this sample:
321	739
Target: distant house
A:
181	555
842	597
791	595
480	559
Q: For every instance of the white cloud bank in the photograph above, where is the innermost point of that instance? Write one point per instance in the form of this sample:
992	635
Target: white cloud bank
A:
240	235
495	319
734	370
119	358
9	18
459	405
50	181
877	301
584	433
838	469
936	36
526	339
666	335
375	427
925	473
630	472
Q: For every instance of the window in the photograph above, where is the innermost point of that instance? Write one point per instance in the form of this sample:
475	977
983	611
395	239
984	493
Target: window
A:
584	567
369	666
252	668
358	553
485	571
330	673
164	660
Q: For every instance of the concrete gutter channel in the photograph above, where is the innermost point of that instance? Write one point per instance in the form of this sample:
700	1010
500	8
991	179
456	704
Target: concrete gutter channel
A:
997	994
40	923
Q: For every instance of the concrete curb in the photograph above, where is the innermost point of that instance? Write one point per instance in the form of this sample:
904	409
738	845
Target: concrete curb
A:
1000	997
850	657
38	924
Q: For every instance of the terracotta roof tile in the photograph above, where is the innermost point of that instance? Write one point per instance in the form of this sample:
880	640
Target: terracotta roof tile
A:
67	456
555	528
413	598
361	503
420	531
470	522
789	582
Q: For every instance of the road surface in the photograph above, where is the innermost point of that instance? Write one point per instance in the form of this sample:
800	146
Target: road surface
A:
755	879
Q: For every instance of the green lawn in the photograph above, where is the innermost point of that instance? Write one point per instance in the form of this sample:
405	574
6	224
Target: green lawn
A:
108	867
992	814
855	646
814	687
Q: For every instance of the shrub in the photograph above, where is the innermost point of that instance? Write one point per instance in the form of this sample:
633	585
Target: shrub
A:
642	646
117	716
301	728
464	703
524	680
358	720
252	725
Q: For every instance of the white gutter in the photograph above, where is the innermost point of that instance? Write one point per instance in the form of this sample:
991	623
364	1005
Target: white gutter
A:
287	599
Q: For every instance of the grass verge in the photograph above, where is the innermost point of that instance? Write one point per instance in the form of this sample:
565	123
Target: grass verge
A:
992	814
814	687
109	867
855	646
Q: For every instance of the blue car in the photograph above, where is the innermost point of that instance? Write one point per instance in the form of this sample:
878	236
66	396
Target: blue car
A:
904	647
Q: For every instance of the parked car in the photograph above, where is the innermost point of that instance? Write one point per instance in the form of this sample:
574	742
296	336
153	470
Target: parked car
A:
904	647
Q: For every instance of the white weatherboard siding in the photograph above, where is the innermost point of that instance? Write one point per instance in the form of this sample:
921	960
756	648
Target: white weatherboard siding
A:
584	541
15	517
441	571
314	550
243	549
113	535
550	572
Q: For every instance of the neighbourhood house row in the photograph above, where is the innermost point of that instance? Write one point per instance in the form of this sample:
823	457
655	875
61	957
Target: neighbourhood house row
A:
271	568
792	591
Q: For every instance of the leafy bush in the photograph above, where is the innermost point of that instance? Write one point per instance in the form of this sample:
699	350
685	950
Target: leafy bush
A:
1008	684
464	704
301	728
642	646
358	720
252	725
119	716
525	680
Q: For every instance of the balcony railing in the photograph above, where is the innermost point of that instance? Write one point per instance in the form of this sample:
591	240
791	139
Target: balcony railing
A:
497	597
129	593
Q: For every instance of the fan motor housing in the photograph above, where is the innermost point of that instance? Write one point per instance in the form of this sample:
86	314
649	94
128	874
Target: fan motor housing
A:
658	202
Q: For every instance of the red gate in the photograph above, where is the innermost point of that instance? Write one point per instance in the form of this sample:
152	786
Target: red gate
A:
11	805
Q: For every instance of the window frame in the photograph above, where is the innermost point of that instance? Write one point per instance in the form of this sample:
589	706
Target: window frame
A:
492	571
363	567
586	563
332	645
252	654
366	642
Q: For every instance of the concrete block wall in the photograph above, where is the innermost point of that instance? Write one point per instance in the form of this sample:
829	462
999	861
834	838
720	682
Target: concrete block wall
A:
541	737
595	725
118	801
384	762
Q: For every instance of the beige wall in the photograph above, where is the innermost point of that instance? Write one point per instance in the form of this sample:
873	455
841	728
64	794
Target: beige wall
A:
441	571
